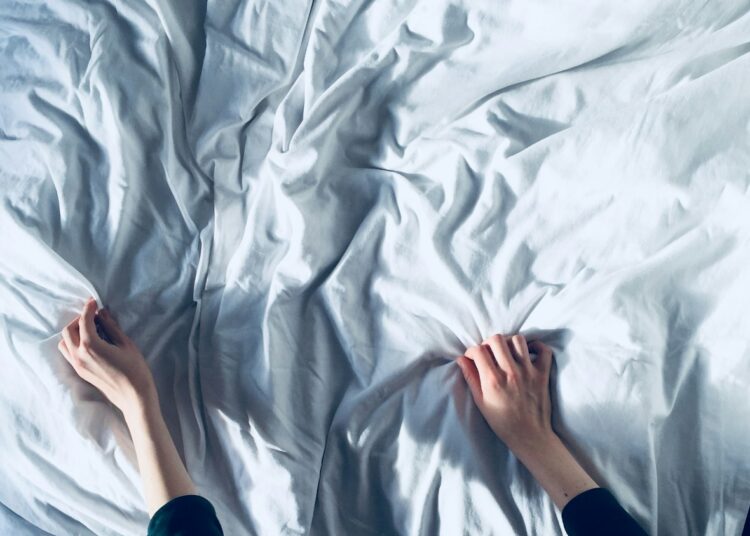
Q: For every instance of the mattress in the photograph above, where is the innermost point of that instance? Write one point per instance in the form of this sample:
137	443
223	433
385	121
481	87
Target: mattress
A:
303	212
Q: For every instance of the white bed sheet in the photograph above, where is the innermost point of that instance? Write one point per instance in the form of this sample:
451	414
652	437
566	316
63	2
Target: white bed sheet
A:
304	211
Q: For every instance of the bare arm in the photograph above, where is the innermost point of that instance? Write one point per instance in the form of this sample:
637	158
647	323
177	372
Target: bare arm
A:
120	372
512	392
163	474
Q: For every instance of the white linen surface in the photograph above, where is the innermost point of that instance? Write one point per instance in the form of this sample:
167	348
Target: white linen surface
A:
302	212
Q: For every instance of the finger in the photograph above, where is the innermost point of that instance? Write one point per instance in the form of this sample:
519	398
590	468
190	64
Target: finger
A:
111	327
89	337
73	324
71	335
486	366
72	359
521	350
543	362
471	375
63	347
502	354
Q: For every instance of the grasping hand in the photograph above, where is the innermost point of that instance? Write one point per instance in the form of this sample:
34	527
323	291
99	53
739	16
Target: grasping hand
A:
117	369
510	389
512	392
120	372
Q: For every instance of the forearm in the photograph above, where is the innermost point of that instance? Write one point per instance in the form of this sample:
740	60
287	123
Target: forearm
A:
163	474
555	468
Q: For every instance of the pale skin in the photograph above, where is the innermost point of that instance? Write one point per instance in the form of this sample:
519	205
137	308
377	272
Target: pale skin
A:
121	373
512	392
510	389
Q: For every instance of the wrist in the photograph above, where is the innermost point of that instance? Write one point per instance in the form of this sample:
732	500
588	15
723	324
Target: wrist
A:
539	443
555	468
139	410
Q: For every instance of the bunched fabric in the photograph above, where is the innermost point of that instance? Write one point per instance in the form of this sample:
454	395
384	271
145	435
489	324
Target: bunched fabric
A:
304	211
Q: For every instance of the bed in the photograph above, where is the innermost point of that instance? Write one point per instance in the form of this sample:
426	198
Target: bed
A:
303	212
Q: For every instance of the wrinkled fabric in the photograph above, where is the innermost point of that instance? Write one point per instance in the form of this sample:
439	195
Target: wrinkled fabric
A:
303	212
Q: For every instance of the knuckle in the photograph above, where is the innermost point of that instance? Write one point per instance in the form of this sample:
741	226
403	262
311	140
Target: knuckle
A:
513	375
493	384
494	379
485	350
83	355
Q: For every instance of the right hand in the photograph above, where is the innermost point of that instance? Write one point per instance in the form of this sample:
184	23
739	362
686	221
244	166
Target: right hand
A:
117	369
511	390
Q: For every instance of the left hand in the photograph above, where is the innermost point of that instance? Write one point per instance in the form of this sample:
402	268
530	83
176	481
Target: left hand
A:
117	369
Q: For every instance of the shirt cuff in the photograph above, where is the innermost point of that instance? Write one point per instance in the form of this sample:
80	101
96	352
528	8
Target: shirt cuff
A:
596	511
186	515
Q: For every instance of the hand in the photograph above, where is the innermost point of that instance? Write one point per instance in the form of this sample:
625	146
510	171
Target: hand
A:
511	390
116	368
120	372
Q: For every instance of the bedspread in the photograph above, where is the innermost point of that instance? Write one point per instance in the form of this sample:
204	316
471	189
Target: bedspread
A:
304	211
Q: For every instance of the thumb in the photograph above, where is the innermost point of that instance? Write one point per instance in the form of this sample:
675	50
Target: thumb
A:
543	361
115	333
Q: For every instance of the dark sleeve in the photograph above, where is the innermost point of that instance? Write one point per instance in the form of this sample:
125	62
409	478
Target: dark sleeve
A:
596	511
189	515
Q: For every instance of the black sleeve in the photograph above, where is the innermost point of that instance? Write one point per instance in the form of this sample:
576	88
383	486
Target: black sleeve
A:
596	511
189	515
